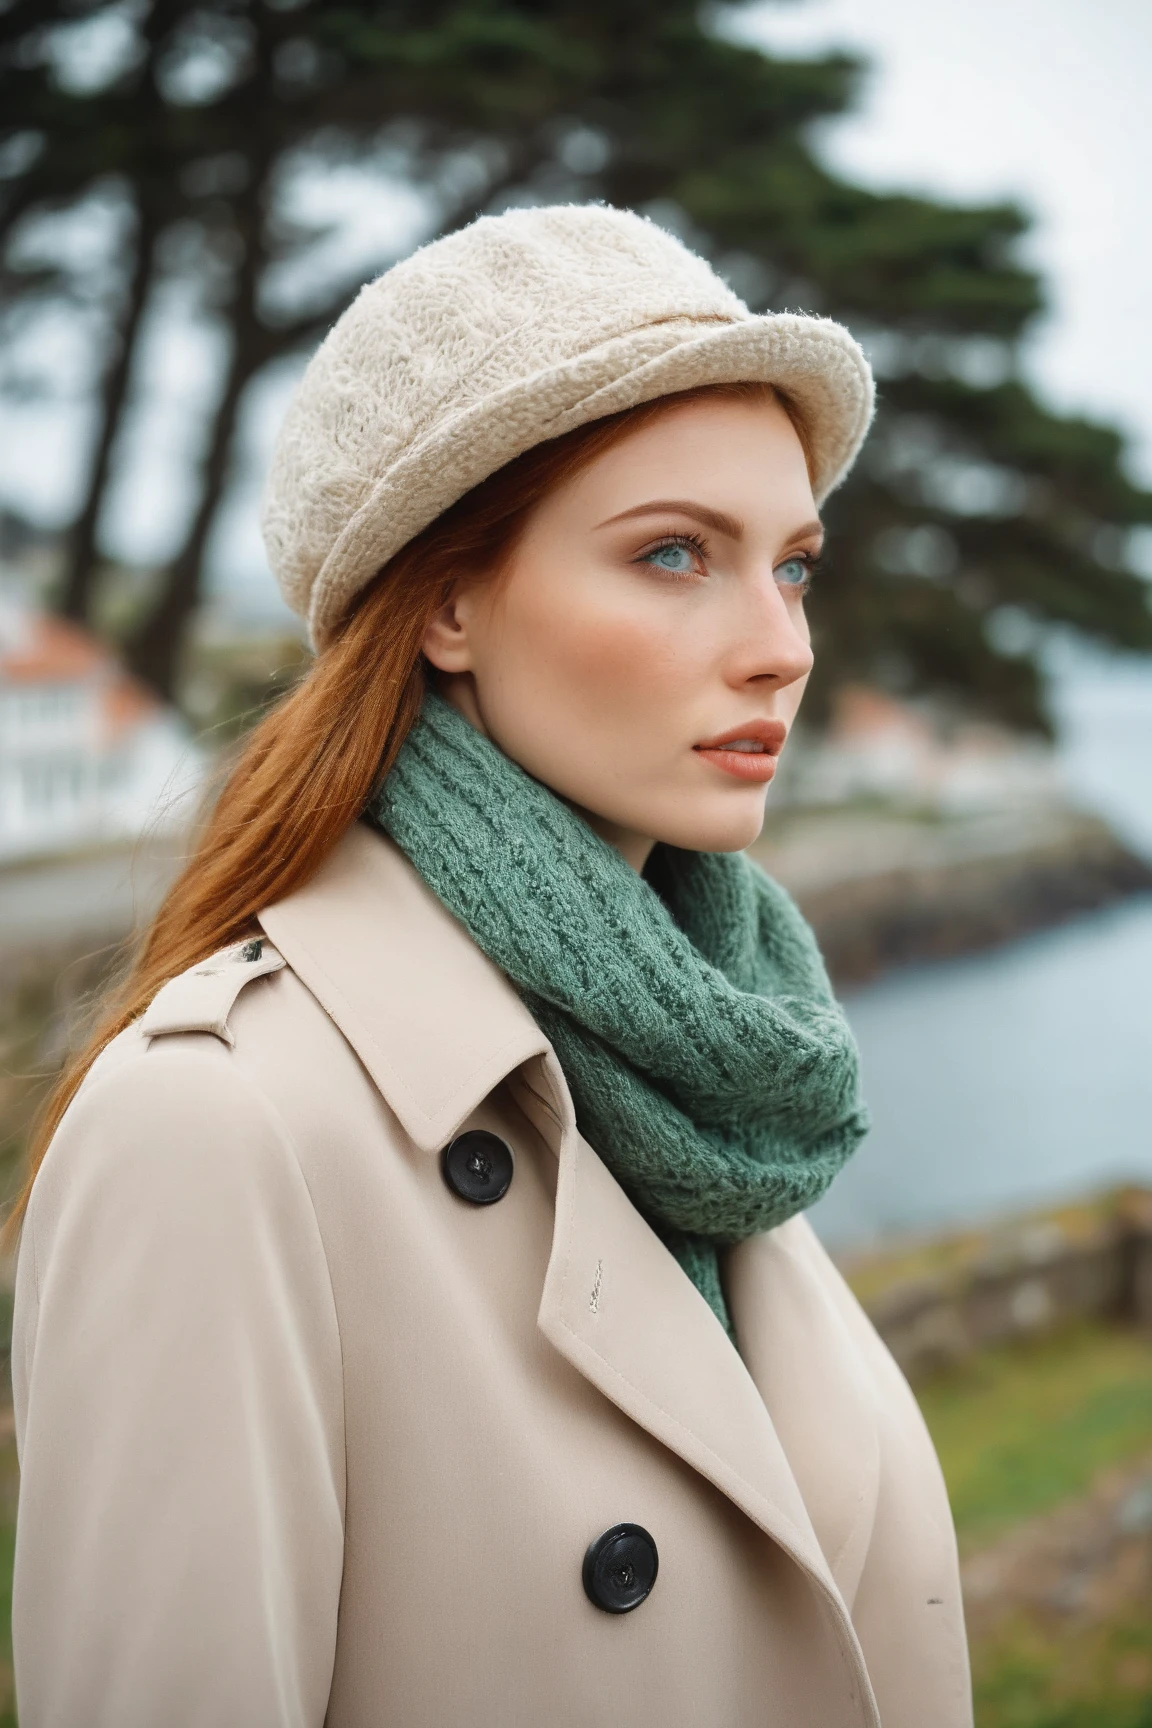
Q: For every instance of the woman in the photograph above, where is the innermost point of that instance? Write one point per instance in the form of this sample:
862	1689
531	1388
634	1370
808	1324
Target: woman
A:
416	1321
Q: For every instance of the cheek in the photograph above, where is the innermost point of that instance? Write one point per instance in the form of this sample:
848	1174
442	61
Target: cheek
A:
596	649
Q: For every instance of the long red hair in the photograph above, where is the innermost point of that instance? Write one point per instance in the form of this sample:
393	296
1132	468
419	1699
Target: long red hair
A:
306	772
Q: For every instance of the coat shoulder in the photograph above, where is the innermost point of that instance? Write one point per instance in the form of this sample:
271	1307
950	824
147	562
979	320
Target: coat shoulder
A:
180	1080
235	1035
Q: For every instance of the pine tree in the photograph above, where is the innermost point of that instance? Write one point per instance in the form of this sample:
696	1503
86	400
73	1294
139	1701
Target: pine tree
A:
976	519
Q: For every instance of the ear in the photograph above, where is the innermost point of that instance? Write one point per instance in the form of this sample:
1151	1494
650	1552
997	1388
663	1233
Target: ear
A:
446	645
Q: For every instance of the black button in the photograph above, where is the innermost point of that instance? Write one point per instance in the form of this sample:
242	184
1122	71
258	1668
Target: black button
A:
620	1568
478	1166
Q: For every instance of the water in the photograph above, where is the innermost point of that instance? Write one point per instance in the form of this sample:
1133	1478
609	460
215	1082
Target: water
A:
1003	1080
1021	1076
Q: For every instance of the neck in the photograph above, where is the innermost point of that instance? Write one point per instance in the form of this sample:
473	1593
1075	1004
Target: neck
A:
634	848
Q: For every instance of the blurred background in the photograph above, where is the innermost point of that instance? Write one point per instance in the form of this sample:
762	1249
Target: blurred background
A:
191	193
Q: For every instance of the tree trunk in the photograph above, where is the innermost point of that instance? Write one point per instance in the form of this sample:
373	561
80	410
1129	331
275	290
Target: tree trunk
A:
154	651
76	595
153	654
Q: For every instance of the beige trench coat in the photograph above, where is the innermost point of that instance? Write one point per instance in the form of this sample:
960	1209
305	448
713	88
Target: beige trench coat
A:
306	1438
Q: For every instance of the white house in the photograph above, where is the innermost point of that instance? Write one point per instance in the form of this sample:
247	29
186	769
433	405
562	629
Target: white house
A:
87	755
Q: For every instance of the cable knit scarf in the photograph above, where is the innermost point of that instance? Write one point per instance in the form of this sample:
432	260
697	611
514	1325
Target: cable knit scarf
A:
710	1066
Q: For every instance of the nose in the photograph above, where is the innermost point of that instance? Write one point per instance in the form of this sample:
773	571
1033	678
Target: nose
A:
770	642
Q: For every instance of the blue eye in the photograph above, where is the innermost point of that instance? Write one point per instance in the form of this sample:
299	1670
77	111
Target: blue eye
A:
794	572
674	556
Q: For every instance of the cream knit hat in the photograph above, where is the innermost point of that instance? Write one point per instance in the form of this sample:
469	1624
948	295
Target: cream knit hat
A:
496	338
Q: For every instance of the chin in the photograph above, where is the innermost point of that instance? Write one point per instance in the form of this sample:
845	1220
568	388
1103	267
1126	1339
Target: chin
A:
715	826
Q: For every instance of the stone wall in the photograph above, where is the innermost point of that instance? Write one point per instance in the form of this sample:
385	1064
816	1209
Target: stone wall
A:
935	1302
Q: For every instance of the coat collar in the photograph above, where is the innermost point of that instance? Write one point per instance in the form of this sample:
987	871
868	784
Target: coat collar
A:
406	985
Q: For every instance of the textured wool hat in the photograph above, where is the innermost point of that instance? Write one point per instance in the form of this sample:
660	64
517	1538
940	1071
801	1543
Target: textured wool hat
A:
492	340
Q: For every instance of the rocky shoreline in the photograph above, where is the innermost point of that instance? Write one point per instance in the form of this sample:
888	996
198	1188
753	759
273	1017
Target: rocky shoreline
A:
885	889
938	1300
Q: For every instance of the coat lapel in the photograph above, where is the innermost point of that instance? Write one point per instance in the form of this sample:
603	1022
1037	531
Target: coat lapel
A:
433	1021
619	1307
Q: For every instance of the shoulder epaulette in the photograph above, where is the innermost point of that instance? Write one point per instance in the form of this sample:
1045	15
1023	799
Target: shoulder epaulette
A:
201	999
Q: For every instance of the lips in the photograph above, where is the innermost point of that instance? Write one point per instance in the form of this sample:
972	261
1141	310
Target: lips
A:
746	752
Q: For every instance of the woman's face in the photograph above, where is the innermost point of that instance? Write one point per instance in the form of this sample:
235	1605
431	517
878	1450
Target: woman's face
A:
645	649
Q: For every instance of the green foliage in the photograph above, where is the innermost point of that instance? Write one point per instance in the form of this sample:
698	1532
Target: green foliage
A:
1036	1675
977	521
1021	1431
1021	1428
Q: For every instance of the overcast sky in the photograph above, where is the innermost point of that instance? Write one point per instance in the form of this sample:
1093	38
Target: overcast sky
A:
1046	101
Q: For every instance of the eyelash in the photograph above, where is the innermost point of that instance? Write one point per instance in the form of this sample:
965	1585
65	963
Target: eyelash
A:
694	542
810	560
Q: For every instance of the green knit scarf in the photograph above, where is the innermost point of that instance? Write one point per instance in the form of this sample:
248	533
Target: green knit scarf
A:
710	1066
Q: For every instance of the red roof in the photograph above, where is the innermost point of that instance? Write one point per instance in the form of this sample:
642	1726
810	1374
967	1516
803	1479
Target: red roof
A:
51	651
42	649
860	712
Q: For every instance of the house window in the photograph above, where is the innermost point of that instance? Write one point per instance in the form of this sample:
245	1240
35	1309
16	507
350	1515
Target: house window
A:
53	784
49	702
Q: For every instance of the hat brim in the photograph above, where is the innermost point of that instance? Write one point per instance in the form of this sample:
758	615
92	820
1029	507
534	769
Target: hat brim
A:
814	361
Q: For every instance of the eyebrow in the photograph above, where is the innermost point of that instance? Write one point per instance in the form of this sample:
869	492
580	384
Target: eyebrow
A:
718	520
